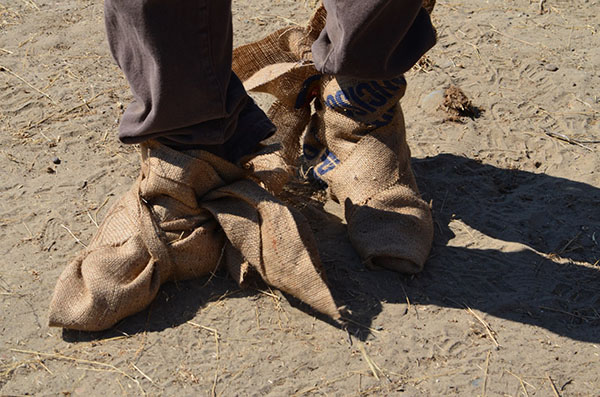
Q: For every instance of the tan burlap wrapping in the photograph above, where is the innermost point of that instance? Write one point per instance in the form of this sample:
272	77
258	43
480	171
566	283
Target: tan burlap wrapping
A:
281	65
355	141
187	213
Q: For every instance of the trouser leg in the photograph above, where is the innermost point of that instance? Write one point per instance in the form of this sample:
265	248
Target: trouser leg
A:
176	55
373	39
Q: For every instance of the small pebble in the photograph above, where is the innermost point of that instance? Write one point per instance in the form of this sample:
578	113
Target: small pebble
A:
432	101
56	160
445	63
551	67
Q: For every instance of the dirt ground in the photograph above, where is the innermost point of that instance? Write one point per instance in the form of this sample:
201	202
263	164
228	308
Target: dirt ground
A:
509	302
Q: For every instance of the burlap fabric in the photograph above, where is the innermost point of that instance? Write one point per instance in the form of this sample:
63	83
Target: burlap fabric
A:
355	141
281	65
187	213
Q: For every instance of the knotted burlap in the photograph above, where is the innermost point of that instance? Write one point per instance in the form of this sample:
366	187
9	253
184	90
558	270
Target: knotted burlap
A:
355	142
187	213
281	65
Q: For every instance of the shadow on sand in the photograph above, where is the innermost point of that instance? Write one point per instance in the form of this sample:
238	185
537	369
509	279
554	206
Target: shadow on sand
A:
544	231
543	268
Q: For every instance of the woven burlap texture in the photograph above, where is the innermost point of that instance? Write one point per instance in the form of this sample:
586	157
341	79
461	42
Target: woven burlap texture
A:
355	141
363	156
186	214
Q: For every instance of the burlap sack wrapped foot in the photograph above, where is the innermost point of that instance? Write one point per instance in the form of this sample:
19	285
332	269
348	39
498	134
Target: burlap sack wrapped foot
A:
187	213
355	142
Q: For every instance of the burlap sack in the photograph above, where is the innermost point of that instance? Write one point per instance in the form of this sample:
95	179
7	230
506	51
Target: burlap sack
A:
281	65
355	142
187	213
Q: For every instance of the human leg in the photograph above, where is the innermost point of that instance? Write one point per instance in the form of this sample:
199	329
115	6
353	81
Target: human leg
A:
191	210
355	140
176	56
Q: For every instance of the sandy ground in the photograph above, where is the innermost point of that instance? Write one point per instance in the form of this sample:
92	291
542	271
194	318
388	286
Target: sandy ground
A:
508	304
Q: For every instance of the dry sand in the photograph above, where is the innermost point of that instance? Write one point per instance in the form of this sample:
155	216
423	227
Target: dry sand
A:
509	303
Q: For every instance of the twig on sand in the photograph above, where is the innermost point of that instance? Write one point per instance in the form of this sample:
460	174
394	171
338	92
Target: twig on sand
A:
277	301
551	309
214	332
406	296
110	367
521	381
100	208
6	370
493	29
213	391
485	379
361	325
375	369
424	378
67	111
44	366
568	244
563	137
553	386
271	294
72	235
143	374
122	388
368	360
584	103
5	69
220	298
291	22
487	327
92	219
28	231
32	4
313	388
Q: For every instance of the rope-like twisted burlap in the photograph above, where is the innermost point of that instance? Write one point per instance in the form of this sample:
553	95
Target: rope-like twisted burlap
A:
355	141
187	213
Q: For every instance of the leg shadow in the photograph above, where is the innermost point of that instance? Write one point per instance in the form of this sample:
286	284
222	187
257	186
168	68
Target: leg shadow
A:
533	257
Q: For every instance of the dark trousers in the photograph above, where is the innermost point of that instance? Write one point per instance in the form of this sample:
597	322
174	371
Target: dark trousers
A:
176	55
